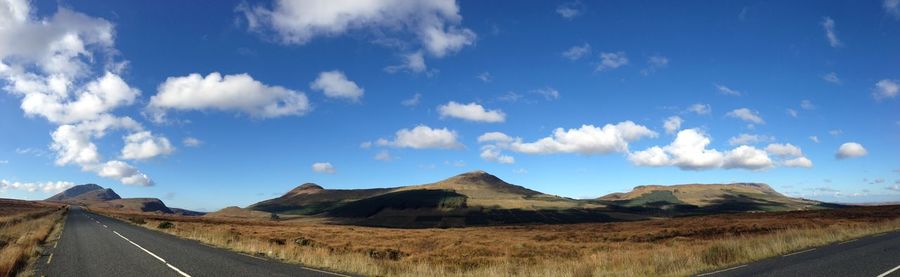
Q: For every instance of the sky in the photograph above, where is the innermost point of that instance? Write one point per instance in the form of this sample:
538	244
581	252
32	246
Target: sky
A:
212	105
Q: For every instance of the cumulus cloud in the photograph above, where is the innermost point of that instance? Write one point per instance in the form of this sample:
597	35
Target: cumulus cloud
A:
577	52
789	155
412	101
434	23
746	114
492	153
672	124
47	187
830	34
471	112
191	142
123	172
497	137
423	137
570	10
144	145
749	139
700	108
240	93
886	89
610	61
798	162
727	91
689	152
323	167
850	150
336	85
588	139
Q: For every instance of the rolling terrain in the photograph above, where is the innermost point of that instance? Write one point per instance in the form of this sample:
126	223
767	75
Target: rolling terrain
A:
97	197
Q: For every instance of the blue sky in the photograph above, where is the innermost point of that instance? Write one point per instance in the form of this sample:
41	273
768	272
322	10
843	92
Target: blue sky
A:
207	106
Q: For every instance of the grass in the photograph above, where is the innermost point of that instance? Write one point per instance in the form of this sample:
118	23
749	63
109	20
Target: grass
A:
666	247
23	227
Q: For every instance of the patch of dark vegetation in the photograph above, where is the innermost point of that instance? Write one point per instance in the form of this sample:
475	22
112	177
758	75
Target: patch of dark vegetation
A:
402	200
165	225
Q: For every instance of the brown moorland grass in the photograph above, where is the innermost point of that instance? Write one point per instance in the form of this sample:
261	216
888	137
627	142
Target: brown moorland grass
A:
23	226
664	247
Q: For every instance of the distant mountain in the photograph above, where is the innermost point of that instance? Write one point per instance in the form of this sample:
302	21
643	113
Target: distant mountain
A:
95	196
735	197
85	193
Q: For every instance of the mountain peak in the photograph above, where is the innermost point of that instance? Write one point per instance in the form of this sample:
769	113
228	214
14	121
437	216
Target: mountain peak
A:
79	190
307	188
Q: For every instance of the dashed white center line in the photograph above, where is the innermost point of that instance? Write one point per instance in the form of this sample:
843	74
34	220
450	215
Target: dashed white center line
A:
720	271
154	255
49	258
104	226
889	271
795	253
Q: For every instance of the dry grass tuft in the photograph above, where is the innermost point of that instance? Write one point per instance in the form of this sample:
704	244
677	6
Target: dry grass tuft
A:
23	227
667	247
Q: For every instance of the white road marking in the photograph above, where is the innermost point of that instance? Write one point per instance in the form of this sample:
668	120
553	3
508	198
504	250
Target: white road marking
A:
154	255
849	241
50	258
251	256
795	253
104	226
720	271
55	243
889	271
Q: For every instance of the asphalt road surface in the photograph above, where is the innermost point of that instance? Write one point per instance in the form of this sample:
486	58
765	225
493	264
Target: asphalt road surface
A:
94	245
871	256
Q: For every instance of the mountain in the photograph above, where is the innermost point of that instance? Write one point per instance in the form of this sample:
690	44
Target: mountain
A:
311	198
735	197
97	197
85	193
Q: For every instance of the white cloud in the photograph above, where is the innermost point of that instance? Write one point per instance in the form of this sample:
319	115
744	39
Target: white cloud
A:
814	139
892	7
831	77
471	112
548	93
609	61
484	77
191	142
47	187
492	153
830	34
570	10
746	115
412	101
748	139
727	91
336	85
886	89
125	173
435	23
412	62
836	132
423	137
688	151
323	167
655	63
850	150
66	69
383	155
586	140
807	105
792	112
672	124
798	162
577	52
497	137
784	150
144	145
239	93
700	108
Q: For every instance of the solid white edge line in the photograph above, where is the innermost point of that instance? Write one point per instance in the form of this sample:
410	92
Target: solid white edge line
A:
849	241
795	253
889	271
720	271
177	270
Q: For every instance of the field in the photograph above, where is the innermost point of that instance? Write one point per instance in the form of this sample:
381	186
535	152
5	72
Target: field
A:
662	247
23	226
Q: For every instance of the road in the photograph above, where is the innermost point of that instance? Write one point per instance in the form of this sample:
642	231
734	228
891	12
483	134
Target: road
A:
94	245
871	256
